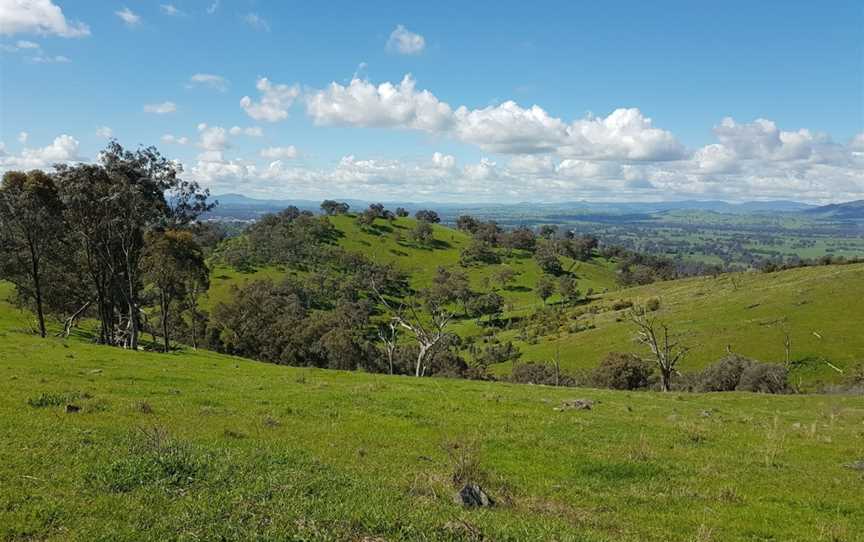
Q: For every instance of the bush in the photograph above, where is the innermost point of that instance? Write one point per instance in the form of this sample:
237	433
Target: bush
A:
498	353
621	304
856	375
620	371
653	304
765	378
725	374
539	373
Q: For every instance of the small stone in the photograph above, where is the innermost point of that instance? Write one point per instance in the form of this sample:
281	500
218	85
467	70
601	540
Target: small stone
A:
855	465
578	404
705	414
472	495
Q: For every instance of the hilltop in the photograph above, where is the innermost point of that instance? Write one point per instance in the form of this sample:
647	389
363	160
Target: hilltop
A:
205	446
387	242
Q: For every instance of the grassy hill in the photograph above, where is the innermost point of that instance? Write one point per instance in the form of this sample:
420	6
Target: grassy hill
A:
389	243
198	446
749	313
819	307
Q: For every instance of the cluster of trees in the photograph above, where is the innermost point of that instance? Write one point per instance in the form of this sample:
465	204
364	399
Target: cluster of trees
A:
116	240
548	244
422	233
337	309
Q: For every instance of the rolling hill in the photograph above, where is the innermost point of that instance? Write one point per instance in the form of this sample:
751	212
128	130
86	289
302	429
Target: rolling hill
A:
749	313
100	443
388	243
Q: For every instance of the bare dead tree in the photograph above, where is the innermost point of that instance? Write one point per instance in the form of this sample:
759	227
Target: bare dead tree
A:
787	348
389	335
557	361
428	332
665	348
69	322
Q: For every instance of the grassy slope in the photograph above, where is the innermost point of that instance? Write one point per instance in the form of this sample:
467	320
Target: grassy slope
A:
744	311
267	452
381	245
820	307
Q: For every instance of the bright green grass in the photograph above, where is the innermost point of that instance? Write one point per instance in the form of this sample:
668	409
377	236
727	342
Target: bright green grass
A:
257	451
821	307
380	244
223	278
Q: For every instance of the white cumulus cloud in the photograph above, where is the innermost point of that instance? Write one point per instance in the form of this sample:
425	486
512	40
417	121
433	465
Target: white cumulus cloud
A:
104	132
251	131
405	42
276	153
274	103
443	161
212	138
626	134
38	17
64	148
361	103
508	128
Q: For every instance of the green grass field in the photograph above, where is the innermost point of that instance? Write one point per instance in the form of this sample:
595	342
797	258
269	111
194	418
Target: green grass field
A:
198	446
820	308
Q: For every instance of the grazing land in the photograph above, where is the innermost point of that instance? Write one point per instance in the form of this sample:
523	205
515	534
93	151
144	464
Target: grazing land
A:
196	445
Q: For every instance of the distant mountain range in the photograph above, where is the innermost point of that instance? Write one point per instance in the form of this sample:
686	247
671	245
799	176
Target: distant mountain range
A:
243	207
851	210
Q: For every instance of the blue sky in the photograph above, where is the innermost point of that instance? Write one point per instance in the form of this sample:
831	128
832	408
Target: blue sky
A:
505	101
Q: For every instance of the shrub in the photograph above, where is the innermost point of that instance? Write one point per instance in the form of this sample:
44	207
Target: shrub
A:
498	353
725	374
153	458
855	377
55	399
765	378
653	304
621	304
620	371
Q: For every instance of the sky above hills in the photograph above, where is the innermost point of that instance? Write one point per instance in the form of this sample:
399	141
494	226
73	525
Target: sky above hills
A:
448	101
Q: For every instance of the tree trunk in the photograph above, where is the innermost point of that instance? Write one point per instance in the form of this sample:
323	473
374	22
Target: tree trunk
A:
665	380
164	303
37	286
134	326
194	331
421	356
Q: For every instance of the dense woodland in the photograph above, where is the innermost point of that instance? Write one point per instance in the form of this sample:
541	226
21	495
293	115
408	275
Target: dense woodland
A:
119	243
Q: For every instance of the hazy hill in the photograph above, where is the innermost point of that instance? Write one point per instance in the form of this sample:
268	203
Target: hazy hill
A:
851	210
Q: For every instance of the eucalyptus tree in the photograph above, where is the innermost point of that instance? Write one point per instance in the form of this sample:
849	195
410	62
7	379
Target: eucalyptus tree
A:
31	233
108	207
